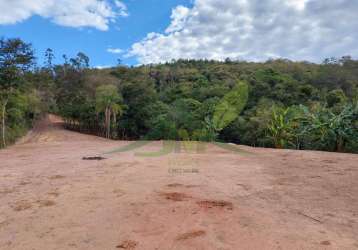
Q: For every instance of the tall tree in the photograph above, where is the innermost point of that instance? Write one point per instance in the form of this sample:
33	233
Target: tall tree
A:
16	57
80	62
108	100
49	56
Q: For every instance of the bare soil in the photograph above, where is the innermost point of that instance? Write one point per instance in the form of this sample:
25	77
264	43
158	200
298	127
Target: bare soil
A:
50	198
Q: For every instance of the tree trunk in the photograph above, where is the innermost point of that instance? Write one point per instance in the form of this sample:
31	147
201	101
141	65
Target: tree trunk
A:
115	122
108	122
339	144
114	117
3	124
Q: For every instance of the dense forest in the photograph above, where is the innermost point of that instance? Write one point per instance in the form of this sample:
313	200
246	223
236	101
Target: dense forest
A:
278	103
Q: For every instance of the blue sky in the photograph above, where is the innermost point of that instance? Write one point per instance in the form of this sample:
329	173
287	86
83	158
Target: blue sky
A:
144	17
156	31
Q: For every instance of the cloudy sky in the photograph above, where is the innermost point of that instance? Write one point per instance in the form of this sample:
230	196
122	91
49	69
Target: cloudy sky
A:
153	31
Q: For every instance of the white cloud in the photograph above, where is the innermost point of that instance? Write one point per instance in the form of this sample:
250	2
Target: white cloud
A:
179	16
123	10
72	13
298	4
103	66
115	51
255	30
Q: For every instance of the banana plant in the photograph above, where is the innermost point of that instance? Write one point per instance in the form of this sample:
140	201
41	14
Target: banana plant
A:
328	130
281	128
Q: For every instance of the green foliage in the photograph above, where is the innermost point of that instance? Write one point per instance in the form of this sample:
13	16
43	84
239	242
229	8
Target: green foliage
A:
21	110
18	104
109	102
203	100
162	128
278	103
336	97
322	129
281	128
317	128
107	96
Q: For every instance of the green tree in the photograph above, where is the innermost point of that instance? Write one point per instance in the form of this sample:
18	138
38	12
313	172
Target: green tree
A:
16	58
336	97
109	101
81	61
49	57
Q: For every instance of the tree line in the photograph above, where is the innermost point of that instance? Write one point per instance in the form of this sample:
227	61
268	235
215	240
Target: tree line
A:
277	103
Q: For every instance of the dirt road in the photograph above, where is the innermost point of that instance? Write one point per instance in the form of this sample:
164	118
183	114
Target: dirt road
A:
50	198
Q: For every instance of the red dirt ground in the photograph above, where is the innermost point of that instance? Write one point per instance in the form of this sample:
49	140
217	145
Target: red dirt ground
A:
50	198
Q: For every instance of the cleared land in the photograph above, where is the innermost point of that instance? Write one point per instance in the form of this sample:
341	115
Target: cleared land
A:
50	198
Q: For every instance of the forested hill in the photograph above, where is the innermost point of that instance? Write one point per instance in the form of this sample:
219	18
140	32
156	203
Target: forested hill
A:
278	103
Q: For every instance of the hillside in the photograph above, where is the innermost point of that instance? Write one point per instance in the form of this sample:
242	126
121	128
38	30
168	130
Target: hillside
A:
273	104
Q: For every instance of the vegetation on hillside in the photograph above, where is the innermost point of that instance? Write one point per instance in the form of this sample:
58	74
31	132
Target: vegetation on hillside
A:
278	103
19	102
